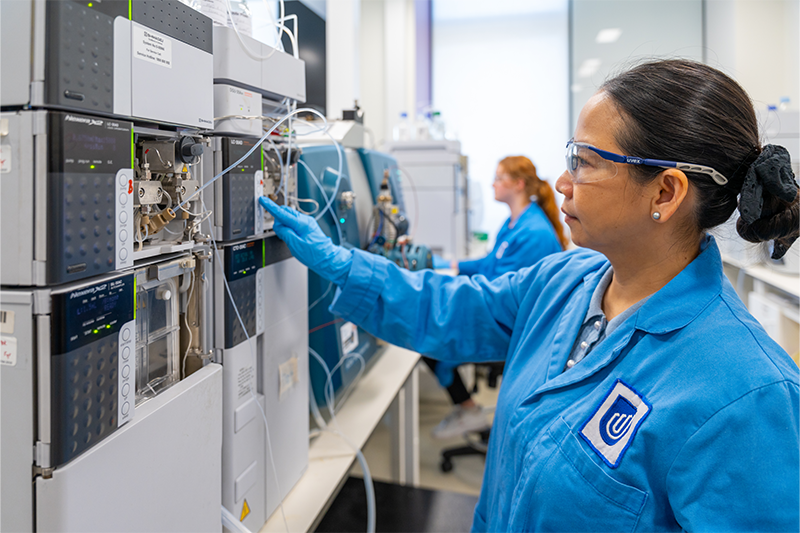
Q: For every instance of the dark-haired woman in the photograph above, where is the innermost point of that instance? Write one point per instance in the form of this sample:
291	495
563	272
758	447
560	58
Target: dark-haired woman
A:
532	232
639	393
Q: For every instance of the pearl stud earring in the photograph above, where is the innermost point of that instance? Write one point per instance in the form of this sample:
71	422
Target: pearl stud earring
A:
656	215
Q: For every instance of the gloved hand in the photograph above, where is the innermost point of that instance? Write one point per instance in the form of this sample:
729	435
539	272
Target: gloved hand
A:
308	243
440	262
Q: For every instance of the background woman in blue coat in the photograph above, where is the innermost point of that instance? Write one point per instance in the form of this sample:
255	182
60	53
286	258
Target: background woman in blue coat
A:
639	393
532	232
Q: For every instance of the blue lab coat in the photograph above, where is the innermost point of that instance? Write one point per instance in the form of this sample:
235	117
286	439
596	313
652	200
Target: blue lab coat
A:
685	417
531	239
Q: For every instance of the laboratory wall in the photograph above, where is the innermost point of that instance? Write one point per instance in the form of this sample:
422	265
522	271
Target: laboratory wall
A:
511	76
758	43
500	80
610	36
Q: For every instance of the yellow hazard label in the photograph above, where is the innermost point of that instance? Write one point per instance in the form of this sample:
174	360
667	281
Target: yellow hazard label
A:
245	511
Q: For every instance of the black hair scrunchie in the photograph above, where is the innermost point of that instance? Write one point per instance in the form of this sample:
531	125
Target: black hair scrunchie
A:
772	170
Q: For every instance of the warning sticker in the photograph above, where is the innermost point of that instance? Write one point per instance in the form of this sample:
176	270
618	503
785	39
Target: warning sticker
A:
5	158
245	511
152	46
8	351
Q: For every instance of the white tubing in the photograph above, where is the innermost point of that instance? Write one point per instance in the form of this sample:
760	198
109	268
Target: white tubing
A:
257	145
369	486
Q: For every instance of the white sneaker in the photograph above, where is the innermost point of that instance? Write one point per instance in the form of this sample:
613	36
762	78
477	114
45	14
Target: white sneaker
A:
461	421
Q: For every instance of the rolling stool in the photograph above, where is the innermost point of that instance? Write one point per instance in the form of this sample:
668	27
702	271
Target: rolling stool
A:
474	447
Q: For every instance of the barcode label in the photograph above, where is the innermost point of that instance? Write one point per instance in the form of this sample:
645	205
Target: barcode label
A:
7	322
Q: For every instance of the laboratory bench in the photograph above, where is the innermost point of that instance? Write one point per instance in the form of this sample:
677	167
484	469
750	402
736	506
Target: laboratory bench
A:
390	385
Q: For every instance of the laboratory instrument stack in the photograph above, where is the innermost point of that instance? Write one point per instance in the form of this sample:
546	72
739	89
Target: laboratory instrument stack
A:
261	335
131	397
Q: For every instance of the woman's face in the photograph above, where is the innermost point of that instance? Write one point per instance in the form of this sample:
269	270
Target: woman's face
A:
505	187
612	214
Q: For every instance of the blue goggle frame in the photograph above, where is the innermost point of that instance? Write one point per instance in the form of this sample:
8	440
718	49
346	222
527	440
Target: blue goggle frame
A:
631	160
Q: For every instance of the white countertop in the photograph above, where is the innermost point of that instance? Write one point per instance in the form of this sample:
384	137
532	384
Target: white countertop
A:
330	458
785	282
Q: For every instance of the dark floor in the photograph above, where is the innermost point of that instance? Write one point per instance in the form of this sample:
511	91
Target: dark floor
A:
399	510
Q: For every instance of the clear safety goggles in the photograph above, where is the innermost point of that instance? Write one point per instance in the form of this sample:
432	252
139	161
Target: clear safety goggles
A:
587	164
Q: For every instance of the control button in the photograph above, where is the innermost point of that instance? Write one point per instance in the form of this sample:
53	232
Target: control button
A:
123	235
126	352
123	254
126	371
126	407
126	389
123	198
126	334
123	217
123	180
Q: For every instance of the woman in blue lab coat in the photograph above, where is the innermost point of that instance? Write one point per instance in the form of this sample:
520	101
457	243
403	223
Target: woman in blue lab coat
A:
639	393
532	232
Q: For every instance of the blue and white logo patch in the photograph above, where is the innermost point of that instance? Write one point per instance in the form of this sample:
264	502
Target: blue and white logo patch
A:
611	428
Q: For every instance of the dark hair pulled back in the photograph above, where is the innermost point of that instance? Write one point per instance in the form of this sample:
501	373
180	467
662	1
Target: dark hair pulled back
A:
680	110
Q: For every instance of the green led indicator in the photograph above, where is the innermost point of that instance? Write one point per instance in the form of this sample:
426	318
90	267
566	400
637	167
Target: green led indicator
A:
91	166
90	4
341	221
94	331
242	170
108	326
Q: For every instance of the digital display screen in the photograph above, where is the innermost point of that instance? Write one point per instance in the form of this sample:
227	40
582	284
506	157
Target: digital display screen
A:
94	143
84	315
233	149
90	144
244	259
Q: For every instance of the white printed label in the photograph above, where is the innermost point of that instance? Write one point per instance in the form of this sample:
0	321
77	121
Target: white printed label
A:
5	158
288	376
216	10
152	46
8	351
7	322
246	381
348	333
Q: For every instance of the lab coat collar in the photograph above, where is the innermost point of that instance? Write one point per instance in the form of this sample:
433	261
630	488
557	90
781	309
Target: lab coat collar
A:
701	280
694	287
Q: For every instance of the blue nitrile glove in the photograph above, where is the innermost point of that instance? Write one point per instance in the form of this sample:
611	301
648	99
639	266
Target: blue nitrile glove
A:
308	243
440	262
